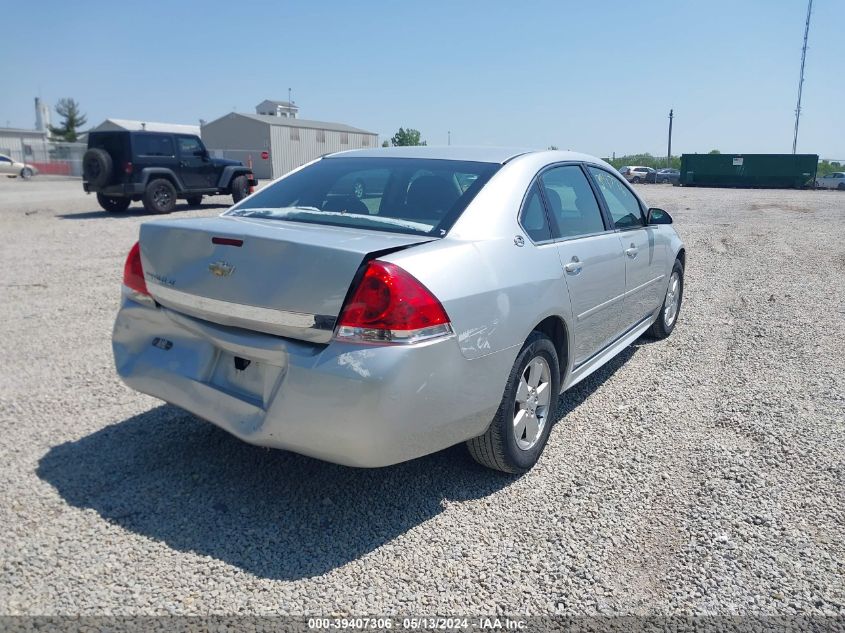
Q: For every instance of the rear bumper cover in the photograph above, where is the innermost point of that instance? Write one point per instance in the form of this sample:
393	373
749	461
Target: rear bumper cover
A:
356	405
120	191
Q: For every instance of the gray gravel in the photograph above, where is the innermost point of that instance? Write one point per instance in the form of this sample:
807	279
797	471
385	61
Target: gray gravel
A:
703	474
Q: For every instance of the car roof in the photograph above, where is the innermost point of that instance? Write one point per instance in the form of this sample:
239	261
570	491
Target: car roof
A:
452	152
449	152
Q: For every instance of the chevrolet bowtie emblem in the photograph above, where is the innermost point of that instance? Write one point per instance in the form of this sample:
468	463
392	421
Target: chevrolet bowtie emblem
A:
221	269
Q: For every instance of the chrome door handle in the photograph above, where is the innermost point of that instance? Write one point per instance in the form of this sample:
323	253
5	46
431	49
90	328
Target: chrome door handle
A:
573	267
632	252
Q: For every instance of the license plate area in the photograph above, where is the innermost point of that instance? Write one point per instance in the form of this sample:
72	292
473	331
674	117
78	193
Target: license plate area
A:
239	376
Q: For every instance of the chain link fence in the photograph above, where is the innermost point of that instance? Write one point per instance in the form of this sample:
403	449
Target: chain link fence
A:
59	159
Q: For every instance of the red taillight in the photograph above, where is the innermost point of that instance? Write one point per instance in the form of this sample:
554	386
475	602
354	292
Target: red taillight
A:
389	305
133	272
127	168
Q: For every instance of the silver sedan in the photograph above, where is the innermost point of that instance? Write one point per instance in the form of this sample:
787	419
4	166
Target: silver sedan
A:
452	303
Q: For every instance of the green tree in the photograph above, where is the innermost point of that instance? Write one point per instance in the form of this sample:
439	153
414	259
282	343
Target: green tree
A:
404	138
385	144
827	167
553	147
73	119
646	160
714	151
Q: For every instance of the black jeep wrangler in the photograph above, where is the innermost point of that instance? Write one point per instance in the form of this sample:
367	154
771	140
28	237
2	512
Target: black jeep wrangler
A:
157	168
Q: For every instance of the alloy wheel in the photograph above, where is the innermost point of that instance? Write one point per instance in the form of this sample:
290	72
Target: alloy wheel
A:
162	197
531	409
673	299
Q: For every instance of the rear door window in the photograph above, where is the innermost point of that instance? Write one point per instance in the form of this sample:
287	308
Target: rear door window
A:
623	205
571	202
533	218
153	145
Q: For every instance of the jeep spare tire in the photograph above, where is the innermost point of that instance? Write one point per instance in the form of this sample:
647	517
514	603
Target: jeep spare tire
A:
97	167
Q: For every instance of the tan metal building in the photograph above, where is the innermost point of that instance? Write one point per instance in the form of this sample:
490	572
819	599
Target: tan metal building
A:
286	141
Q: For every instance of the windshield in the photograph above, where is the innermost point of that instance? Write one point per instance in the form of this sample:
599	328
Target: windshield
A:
404	195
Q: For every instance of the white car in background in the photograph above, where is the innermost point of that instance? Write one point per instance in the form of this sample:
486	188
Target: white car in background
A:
836	180
12	169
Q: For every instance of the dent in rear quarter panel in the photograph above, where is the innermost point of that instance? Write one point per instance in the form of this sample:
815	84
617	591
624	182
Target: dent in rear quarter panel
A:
493	291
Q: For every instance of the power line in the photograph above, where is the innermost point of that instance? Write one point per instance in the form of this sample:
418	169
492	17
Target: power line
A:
801	76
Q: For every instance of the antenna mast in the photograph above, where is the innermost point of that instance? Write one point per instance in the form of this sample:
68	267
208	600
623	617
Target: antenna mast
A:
801	76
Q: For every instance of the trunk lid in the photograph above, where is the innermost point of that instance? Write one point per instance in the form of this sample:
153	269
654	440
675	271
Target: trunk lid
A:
286	278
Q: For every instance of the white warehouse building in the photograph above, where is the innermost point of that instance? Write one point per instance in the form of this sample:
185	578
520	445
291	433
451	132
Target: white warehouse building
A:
278	143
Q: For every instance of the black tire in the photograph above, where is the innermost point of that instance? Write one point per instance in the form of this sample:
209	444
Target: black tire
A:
240	188
359	189
841	186
194	201
498	448
112	204
663	327
160	196
26	173
97	167
636	180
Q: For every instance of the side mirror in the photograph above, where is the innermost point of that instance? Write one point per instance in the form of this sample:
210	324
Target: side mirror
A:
659	216
202	153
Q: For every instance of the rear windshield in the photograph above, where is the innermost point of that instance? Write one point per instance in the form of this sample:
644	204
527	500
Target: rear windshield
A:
402	195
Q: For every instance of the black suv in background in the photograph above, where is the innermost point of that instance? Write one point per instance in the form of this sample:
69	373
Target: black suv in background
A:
157	168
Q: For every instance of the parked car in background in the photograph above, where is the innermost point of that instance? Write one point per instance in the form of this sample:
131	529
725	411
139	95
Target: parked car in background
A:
370	334
836	180
636	173
157	168
662	176
14	169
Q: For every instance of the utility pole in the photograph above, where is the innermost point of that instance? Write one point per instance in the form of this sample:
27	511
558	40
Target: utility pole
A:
449	137
801	76
669	150
289	101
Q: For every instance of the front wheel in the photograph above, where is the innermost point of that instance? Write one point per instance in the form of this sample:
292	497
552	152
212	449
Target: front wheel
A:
841	186
636	181
671	307
112	204
240	188
26	173
518	434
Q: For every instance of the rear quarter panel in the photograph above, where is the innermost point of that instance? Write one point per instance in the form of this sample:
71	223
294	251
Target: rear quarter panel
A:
493	291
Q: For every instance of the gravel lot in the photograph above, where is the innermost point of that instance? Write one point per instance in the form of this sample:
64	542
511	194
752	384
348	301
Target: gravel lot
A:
702	474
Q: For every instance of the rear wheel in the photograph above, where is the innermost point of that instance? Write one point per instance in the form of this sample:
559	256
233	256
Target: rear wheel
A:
112	204
240	188
194	201
518	434
671	307
160	196
636	180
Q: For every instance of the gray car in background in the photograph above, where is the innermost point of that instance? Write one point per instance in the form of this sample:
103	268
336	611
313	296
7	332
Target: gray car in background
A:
453	305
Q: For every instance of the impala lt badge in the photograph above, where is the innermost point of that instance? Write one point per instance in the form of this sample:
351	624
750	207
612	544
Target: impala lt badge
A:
221	269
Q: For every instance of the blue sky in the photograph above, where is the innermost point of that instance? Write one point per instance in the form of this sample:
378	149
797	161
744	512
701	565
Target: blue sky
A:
598	77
